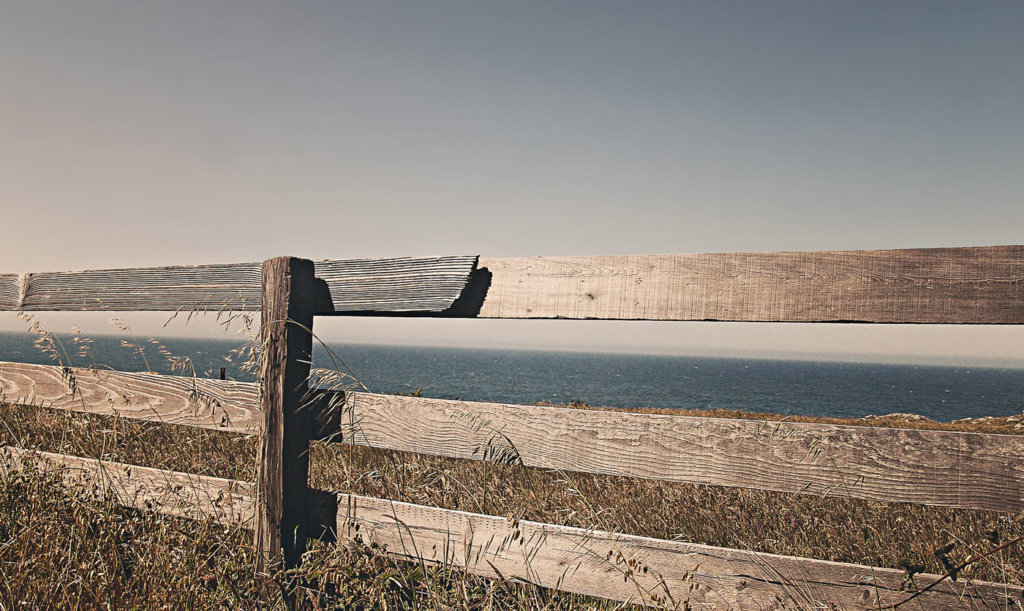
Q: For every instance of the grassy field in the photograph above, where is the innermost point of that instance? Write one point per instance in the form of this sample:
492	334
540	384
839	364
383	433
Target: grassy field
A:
73	551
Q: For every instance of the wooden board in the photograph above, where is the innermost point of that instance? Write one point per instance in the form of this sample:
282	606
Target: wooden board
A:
9	293
185	495
640	569
975	285
421	284
213	404
967	470
935	285
395	285
200	288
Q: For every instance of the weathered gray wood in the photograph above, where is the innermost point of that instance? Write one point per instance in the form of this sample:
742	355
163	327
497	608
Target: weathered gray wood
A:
200	287
173	493
404	285
640	569
282	459
212	404
395	285
9	292
967	470
936	285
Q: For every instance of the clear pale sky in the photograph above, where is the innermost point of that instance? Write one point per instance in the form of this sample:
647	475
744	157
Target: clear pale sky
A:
137	134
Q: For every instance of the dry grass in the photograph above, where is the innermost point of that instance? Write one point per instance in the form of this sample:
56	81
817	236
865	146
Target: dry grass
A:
62	550
73	551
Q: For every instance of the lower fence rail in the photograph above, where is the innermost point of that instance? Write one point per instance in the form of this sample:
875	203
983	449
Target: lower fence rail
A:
944	468
643	570
185	495
630	568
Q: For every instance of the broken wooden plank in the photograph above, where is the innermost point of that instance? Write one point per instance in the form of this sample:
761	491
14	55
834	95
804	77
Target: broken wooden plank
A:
955	469
396	286
930	285
197	497
643	570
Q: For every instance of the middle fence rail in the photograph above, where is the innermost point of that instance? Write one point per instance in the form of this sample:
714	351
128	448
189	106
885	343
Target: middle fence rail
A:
962	470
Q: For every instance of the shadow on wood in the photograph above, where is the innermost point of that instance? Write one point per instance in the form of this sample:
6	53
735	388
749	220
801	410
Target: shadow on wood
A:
471	300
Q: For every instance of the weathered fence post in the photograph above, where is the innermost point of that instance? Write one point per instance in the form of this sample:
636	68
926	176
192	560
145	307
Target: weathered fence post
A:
282	461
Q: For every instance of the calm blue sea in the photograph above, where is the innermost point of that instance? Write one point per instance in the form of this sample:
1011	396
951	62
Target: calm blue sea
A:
619	380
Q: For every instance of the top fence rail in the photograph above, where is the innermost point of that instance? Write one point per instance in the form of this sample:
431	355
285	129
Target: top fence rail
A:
974	285
388	286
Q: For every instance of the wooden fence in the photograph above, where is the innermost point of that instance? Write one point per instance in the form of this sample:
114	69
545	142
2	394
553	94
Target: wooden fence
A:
966	470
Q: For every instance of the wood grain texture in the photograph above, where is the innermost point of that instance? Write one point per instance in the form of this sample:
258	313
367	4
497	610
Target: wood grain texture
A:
212	404
9	292
411	284
173	493
967	470
282	450
936	285
640	569
199	287
408	284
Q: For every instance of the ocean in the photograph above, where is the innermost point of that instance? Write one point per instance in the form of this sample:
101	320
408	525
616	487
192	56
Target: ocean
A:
832	389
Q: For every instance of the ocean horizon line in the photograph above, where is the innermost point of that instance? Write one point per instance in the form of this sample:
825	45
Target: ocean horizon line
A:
868	358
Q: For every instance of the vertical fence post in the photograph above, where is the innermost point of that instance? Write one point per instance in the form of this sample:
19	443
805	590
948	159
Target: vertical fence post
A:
282	461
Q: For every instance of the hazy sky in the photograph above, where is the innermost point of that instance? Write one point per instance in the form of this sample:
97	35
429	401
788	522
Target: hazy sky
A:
143	133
